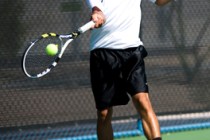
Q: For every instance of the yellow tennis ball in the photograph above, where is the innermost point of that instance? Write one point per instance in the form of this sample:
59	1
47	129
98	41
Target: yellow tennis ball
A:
51	49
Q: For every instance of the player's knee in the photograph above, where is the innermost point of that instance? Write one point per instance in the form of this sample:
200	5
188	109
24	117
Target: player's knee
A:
105	115
142	102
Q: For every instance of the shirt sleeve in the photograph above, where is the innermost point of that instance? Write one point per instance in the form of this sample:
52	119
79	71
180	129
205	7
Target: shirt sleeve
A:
93	3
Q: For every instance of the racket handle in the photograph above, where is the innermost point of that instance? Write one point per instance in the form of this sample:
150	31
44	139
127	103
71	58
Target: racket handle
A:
86	27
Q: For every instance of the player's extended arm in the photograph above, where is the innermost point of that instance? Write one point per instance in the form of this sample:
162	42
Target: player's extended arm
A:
162	2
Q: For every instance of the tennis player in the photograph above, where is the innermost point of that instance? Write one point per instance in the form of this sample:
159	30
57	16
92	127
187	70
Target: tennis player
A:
117	64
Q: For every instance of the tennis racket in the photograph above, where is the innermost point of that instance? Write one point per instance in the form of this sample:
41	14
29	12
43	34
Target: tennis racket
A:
37	63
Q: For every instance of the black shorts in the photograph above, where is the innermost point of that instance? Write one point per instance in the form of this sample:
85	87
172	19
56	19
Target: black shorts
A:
114	73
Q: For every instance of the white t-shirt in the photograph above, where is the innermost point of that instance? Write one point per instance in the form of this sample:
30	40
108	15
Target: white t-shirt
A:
122	26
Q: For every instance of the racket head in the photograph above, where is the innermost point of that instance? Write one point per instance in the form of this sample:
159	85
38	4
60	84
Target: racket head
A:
35	61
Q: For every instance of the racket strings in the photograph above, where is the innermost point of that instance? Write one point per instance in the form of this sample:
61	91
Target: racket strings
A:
37	60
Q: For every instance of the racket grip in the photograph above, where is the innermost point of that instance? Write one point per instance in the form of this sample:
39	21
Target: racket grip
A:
86	27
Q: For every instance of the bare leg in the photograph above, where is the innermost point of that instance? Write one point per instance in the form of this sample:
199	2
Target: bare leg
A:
149	120
104	126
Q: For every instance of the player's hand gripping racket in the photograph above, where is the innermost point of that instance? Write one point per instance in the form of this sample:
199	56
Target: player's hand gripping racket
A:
39	58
